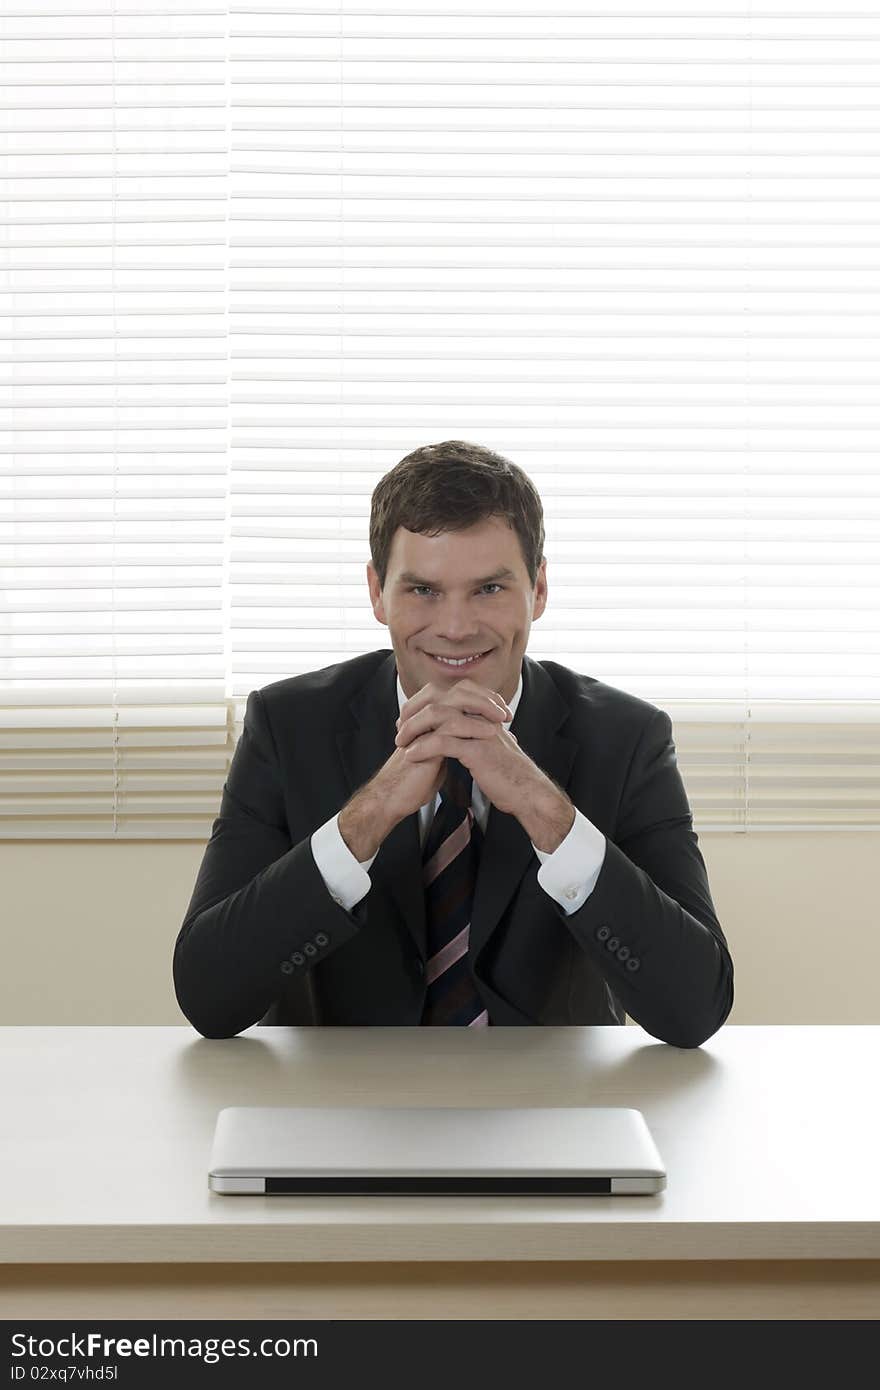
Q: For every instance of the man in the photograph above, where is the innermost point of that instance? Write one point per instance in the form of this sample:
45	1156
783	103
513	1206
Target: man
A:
451	832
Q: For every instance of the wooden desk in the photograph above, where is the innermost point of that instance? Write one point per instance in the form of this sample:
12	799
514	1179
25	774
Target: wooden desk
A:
771	1138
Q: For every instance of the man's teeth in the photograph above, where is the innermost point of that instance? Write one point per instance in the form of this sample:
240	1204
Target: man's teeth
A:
462	661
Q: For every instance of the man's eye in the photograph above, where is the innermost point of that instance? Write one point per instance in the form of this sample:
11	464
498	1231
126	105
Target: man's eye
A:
415	587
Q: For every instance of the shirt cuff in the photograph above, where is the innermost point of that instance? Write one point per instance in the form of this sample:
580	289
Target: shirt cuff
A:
346	878
570	873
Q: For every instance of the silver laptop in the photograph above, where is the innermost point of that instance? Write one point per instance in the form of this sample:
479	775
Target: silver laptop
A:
399	1151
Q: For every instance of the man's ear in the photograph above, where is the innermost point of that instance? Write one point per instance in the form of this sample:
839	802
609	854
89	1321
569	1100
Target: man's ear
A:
540	589
375	593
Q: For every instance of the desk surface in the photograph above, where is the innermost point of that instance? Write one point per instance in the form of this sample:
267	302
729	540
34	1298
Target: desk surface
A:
770	1136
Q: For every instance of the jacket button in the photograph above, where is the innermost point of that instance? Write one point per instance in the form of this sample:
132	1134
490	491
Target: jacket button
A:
322	939
298	958
612	943
633	963
623	953
310	948
287	967
603	933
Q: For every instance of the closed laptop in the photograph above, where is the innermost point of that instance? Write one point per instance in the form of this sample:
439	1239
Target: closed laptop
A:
436	1150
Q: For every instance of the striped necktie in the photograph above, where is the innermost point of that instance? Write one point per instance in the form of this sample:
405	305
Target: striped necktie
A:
449	862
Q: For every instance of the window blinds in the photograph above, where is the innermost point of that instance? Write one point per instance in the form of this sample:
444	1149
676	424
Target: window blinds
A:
257	253
114	481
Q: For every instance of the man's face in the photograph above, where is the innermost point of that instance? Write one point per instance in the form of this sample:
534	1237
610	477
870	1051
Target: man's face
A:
454	595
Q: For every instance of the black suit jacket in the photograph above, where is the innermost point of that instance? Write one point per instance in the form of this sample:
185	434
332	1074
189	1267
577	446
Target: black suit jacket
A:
264	941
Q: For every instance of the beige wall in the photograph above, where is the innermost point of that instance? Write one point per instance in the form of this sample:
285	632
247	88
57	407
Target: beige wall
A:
88	929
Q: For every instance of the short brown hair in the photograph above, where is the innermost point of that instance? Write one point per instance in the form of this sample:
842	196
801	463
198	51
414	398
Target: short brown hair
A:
448	487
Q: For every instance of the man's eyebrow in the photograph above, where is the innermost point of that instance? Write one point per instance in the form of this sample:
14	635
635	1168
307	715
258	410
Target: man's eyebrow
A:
409	578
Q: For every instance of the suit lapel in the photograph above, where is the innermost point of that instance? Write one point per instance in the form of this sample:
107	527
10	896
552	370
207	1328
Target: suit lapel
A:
507	850
397	867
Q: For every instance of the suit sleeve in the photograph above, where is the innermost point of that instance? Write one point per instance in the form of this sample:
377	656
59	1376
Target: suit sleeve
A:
260	910
649	924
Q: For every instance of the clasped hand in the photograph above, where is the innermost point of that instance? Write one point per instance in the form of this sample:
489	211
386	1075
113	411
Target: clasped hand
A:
466	721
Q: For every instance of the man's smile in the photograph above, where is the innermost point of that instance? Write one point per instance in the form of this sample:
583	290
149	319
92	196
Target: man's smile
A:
454	663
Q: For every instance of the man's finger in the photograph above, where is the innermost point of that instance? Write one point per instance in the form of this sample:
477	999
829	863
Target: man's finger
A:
441	745
446	721
464	694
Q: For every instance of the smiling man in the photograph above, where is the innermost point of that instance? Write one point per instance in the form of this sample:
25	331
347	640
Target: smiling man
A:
451	833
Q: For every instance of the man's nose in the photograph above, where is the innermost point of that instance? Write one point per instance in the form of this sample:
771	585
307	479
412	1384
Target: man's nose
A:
457	620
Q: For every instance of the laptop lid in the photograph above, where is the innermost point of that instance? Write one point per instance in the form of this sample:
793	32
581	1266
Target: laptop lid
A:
437	1150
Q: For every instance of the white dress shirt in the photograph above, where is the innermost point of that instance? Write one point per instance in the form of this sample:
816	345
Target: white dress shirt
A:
568	874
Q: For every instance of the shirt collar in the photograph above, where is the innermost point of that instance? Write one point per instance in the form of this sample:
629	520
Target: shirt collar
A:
512	703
